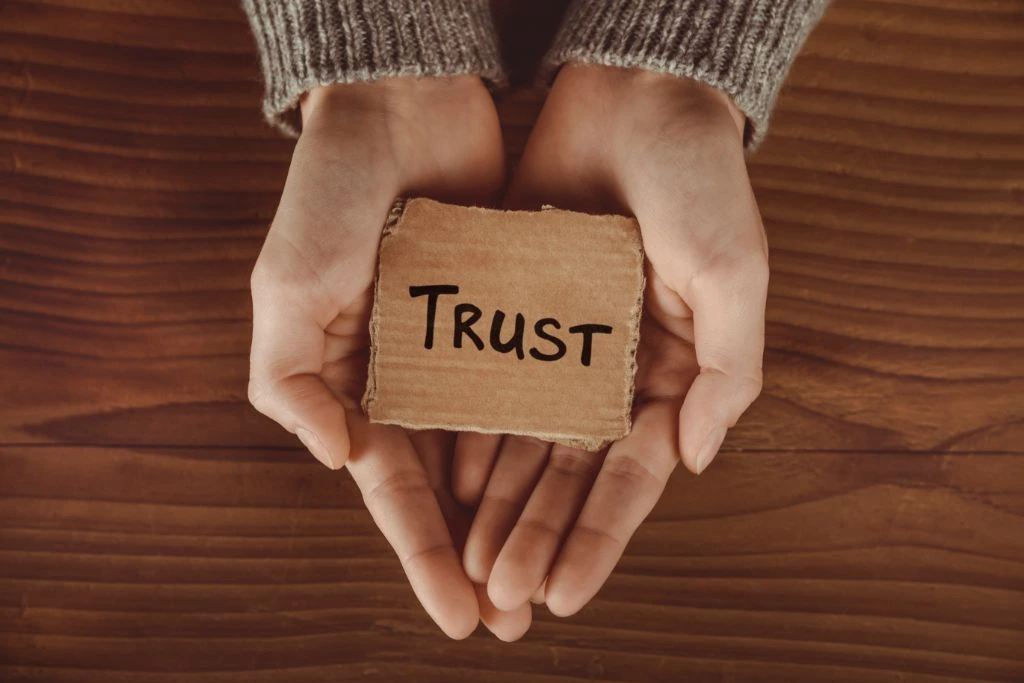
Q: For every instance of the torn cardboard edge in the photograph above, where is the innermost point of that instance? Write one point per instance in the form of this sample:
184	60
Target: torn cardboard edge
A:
390	229
394	217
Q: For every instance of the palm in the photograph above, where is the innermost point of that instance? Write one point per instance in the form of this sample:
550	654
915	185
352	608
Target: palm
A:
362	146
552	522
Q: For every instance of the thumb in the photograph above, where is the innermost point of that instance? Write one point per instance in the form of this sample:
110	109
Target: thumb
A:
728	302
284	375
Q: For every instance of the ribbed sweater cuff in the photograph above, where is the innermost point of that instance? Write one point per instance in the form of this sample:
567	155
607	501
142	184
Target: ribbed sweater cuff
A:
309	43
742	47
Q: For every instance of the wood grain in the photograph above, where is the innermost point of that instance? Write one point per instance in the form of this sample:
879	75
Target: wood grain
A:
865	524
806	564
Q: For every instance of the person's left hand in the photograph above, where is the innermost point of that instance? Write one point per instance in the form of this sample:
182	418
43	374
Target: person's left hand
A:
553	521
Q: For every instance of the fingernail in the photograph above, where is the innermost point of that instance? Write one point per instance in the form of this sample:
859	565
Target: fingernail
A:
710	448
315	446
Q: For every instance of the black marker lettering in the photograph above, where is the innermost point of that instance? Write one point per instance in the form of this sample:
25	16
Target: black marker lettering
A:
464	325
432	293
559	344
516	342
588	331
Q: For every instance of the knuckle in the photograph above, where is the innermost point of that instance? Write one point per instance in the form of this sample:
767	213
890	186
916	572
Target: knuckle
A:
260	275
744	386
630	472
602	535
423	554
259	396
743	270
541	526
757	269
531	443
400	484
281	267
571	462
748	267
750	386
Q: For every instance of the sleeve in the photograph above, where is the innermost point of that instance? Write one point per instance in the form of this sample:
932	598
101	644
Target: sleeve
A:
311	43
741	47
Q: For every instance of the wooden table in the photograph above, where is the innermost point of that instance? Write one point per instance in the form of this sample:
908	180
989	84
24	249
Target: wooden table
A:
865	522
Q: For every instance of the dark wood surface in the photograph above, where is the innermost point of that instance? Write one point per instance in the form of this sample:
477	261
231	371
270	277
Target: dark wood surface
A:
865	522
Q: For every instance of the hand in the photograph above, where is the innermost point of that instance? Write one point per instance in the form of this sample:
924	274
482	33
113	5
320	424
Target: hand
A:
552	522
361	147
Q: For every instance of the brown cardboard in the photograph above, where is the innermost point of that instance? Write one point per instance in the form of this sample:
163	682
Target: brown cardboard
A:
574	268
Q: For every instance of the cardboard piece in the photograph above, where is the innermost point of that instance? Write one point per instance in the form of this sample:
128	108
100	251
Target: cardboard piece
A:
506	322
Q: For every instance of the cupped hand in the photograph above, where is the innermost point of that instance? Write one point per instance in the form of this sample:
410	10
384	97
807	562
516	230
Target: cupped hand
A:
363	145
553	521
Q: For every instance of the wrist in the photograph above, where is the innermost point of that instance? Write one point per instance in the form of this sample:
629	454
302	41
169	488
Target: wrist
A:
696	100
413	129
399	97
622	91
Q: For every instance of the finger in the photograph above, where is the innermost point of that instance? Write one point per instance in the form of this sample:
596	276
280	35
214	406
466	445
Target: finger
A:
435	451
538	595
434	447
519	465
527	556
728	305
632	478
508	625
397	492
284	382
474	459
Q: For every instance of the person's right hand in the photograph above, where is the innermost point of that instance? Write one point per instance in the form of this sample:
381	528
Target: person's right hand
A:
363	145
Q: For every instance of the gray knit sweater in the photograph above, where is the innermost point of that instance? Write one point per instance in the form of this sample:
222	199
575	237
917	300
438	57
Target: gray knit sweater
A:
743	47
